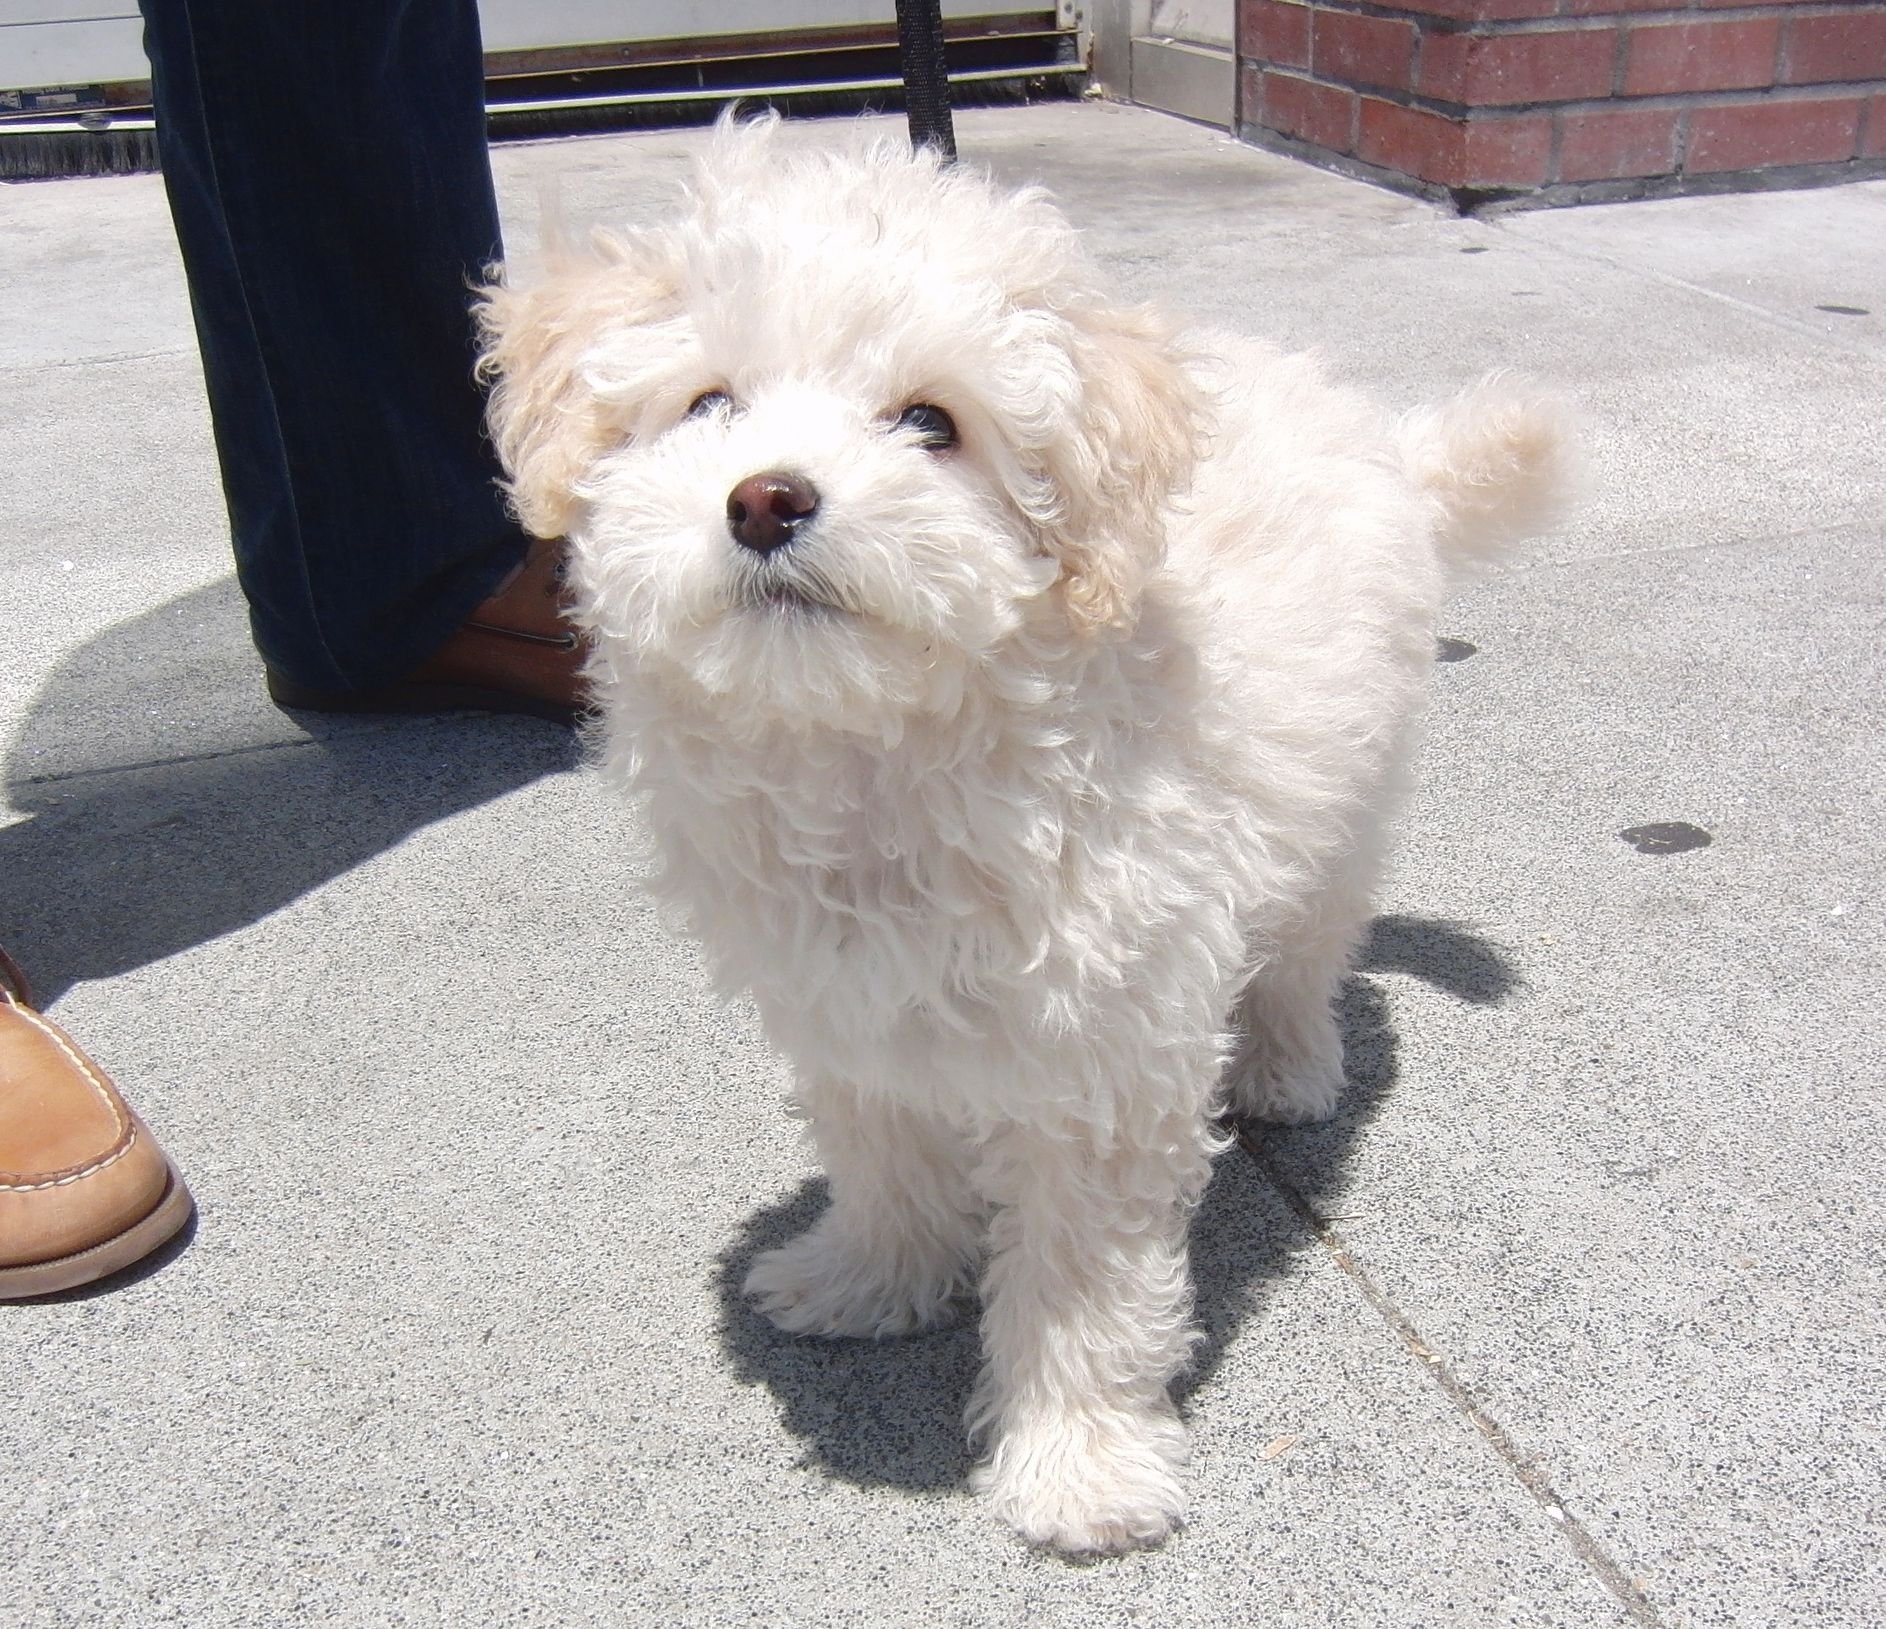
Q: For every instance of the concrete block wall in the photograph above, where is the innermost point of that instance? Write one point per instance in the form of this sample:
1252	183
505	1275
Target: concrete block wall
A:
1550	101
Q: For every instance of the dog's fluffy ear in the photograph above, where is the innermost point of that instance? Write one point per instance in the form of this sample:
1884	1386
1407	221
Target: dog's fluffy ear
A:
538	353
1132	445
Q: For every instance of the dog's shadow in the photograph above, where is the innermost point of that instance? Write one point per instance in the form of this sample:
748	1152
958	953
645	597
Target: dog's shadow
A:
891	1412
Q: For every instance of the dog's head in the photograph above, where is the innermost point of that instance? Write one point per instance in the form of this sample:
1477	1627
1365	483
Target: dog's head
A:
827	442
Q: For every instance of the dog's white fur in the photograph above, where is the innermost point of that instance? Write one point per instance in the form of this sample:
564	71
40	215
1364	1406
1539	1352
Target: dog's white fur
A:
1036	789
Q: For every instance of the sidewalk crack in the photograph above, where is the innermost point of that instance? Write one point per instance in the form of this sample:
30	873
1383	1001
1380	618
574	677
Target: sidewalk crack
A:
61	776
1794	327
1589	1550
1861	529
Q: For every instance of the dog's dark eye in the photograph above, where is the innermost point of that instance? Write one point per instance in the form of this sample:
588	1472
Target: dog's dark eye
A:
709	401
934	428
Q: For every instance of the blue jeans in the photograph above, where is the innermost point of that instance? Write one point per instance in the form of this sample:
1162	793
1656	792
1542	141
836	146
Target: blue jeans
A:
327	171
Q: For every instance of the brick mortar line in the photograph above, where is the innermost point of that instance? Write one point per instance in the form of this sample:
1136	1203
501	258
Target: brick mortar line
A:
1489	202
1661	102
1689	183
1596	1558
1680	151
1458	200
1576	22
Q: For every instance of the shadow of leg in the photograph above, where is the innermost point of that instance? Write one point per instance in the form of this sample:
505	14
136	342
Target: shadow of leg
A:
877	1413
142	839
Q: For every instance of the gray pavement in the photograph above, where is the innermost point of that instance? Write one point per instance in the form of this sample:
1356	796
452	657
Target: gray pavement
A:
1574	1318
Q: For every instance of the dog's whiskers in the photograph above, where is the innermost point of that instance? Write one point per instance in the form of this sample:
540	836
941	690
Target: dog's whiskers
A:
805	588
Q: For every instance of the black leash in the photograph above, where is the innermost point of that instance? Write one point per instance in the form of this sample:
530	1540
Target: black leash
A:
926	77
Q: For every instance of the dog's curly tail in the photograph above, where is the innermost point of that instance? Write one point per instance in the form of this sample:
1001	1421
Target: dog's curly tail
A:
1497	462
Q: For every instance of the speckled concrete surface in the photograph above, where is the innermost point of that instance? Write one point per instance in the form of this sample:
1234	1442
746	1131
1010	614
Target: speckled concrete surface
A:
1571	1319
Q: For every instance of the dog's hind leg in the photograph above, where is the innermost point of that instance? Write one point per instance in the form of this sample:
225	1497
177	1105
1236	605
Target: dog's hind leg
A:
1288	1066
899	1242
1086	1319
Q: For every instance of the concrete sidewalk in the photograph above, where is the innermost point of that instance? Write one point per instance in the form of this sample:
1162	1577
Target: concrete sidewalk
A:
1574	1318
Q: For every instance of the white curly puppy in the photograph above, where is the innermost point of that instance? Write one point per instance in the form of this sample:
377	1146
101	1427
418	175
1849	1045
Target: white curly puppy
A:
1015	698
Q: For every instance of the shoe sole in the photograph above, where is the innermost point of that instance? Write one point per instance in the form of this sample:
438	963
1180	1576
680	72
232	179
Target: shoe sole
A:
412	698
109	1256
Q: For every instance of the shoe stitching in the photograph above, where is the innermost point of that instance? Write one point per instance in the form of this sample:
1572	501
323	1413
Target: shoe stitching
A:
562	641
85	1067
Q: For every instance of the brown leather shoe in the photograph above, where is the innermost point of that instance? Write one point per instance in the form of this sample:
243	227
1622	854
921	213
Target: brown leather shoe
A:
517	653
84	1189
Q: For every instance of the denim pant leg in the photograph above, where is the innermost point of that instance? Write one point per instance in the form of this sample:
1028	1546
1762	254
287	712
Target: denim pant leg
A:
327	171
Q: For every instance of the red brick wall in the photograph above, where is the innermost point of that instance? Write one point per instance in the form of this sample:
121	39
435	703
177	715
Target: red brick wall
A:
1570	98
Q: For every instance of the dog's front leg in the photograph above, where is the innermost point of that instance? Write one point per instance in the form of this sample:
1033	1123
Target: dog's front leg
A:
899	1241
1086	1319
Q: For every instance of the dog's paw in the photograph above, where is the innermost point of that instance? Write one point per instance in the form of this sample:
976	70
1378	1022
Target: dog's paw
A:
818	1286
1294	1078
1088	1485
1303	1095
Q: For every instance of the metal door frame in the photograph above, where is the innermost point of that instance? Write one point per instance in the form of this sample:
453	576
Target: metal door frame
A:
1193	81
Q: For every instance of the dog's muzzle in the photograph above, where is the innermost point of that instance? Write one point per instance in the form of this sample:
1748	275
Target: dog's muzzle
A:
765	511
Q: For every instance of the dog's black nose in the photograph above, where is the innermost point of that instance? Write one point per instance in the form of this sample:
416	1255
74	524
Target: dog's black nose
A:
764	511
